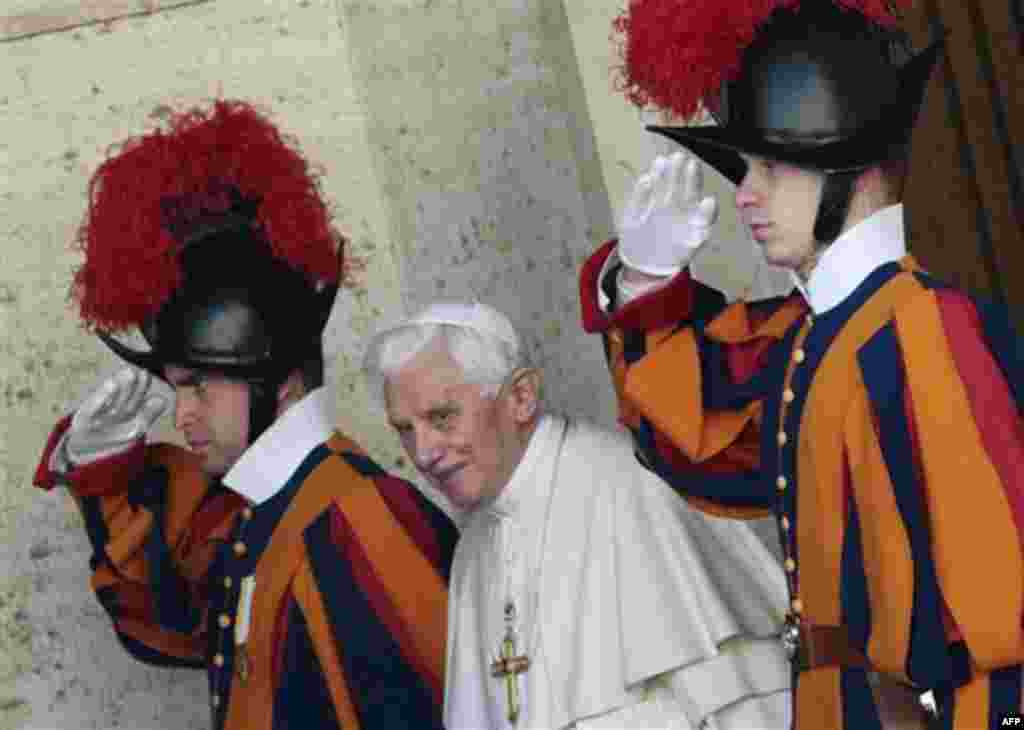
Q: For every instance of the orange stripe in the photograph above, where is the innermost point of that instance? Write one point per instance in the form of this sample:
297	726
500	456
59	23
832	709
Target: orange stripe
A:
888	564
422	603
971	519
836	411
186	488
817	703
416	591
970	709
252	704
127	541
734	324
652	386
309	599
838	418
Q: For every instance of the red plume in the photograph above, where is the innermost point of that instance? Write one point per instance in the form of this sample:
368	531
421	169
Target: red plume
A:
160	181
674	53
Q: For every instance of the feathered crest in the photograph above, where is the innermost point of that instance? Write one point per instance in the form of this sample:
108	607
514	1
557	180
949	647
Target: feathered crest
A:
675	53
225	167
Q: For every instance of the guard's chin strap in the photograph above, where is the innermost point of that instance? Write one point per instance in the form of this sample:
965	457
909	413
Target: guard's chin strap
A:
835	204
262	406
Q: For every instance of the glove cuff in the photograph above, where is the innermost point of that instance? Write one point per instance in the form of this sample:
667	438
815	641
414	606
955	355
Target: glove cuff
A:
47	476
628	292
102	477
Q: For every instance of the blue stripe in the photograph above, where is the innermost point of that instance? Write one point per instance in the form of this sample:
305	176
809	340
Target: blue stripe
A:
97	531
745	489
170	591
859	711
720	392
443	528
387	691
1004	693
928	660
302	698
824	331
256	533
171	594
363	464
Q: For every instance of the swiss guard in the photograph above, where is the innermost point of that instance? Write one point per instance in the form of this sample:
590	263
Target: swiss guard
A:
875	412
273	552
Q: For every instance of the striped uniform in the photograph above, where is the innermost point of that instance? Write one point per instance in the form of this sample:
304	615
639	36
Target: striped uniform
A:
886	437
346	626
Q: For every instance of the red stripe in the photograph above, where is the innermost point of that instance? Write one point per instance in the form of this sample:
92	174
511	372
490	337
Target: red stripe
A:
660	308
214	515
44	478
992	405
135	602
746	359
741	455
359	563
402	502
111	475
594	320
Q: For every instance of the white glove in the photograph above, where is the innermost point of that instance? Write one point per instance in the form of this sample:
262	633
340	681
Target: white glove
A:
110	420
666	220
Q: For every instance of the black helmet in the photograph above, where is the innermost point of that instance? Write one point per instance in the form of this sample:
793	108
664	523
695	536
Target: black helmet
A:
226	261
820	86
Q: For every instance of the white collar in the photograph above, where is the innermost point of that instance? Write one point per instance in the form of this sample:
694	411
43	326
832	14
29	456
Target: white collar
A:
265	467
874	241
522	484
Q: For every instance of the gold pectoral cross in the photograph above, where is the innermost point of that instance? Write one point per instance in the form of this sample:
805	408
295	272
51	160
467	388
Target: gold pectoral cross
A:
509	666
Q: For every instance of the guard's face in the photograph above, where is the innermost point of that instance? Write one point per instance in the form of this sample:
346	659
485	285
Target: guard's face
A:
466	445
779	202
212	412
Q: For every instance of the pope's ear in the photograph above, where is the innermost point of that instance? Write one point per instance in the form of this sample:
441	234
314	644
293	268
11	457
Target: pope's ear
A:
524	393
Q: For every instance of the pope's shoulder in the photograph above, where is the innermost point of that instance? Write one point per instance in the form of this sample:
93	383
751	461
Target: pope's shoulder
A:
607	452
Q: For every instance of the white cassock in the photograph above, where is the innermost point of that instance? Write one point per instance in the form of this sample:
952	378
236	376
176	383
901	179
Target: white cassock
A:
634	609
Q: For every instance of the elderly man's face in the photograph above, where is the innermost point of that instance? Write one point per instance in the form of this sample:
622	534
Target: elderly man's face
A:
466	445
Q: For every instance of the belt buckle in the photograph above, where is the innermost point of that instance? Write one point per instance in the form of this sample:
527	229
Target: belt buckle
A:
792	642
